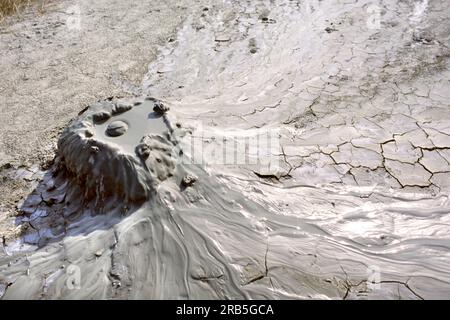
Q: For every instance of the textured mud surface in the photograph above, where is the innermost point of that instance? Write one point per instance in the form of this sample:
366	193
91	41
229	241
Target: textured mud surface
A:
56	63
358	182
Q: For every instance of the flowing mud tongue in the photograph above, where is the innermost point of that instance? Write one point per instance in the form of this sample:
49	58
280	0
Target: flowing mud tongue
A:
294	149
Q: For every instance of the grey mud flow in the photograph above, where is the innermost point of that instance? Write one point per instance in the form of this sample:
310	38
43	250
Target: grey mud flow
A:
352	203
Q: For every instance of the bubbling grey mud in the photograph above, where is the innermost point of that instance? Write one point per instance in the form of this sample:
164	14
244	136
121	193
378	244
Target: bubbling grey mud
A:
121	149
117	215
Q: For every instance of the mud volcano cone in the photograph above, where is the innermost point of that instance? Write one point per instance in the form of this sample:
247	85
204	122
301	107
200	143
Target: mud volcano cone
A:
120	149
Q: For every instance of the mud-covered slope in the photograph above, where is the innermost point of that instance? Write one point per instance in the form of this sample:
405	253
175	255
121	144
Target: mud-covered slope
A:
311	160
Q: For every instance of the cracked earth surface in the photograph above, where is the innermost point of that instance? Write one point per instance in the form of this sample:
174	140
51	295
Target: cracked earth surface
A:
360	178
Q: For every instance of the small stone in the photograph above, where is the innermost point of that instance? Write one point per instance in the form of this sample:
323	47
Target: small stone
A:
99	253
143	151
116	128
189	180
94	149
101	116
160	107
88	133
264	16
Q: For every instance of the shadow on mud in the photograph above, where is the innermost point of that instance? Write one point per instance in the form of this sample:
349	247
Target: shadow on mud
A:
58	208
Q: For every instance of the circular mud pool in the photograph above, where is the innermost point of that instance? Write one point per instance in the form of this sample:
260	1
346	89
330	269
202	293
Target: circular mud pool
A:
116	128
